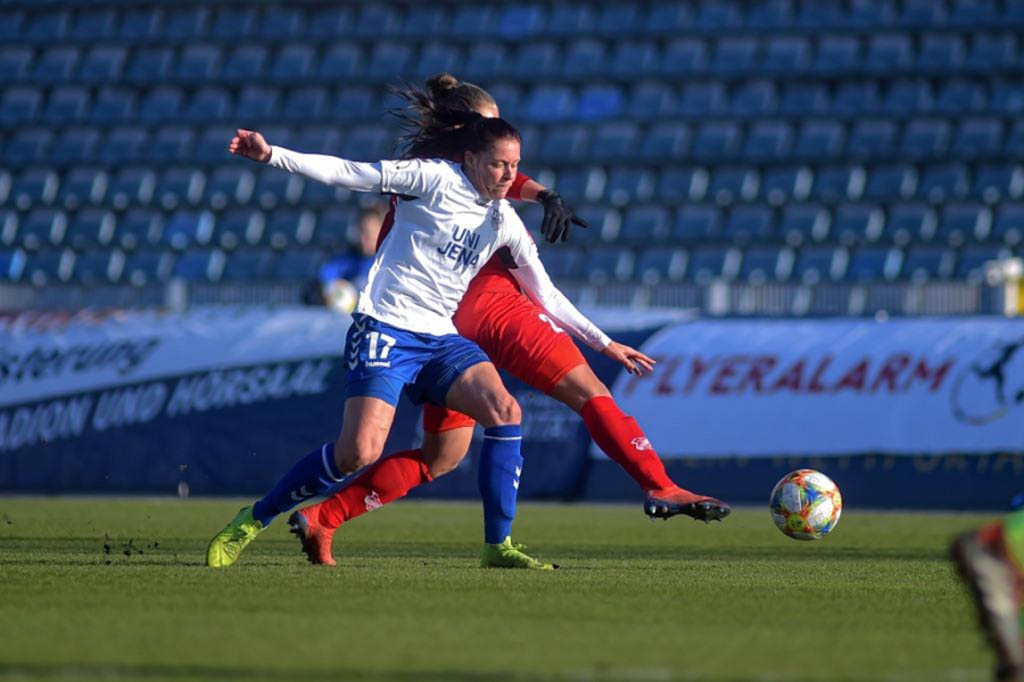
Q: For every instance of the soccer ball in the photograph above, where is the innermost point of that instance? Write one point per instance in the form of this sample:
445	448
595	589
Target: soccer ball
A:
806	504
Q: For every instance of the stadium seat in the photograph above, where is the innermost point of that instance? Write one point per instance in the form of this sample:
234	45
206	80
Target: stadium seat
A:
27	147
960	223
838	183
923	263
733	183
14	64
597	102
678	185
46	27
353	104
198	64
652	101
139	25
958	96
234	23
836	55
199	266
941	54
229	184
56	65
289	227
367	143
854	99
131	186
685	57
1008	226
973	13
991	53
763	263
609	263
113	106
871	139
604	225
785	56
665	142
187	228
244	64
65	105
150	65
820	140
563	263
274	187
171	145
257	104
34	187
123	146
147	267
376	20
565	144
102	65
305	105
81	186
754	99
713	262
978	138
645	225
91	227
473	21
333	227
734	56
874	264
905	97
871	14
185	25
75	146
890	182
993	182
239	228
425	21
700	100
780	185
292	64
42	227
944	181
909	222
618	18
715	17
49	267
1015	142
747	224
889	53
667	19
12	265
970	265
716	141
583	59
20	106
254	265
804	99
327	22
437	58
697	223
98	267
162	104
282	23
209	105
818	16
632	58
803	223
614	142
138	229
627	185
341	62
857	223
660	264
550	104
925	139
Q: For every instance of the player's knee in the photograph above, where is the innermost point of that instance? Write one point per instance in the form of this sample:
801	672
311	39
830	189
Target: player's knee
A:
352	455
504	409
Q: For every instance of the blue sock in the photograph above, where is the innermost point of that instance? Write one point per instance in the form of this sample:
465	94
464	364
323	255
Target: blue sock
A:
311	476
498	478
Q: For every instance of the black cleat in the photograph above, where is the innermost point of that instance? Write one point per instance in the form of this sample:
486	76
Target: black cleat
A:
992	582
664	504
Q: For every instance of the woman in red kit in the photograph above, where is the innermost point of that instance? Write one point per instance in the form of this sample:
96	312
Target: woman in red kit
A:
521	338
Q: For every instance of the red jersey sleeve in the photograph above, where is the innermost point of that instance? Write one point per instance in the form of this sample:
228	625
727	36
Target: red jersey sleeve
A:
389	221
516	190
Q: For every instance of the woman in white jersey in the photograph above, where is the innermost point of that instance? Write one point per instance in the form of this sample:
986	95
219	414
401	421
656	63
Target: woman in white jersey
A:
453	218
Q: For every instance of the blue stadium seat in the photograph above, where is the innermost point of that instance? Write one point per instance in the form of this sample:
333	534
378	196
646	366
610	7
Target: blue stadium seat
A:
91	227
604	224
563	263
8	225
425	21
113	106
282	23
874	264
871	139
748	224
1015	142
377	20
685	57
854	99
908	97
565	144
804	99
700	100
645	225
368	143
42	227
198	64
354	104
819	16
185	25
890	183
837	55
926	14
56	65
733	183
171	145
786	183
735	56
712	262
473	21
293	64
583	59
803	223
871	14
12	25
570	20
289	227
618	18
1013	14
627	185
437	58
978	138
959	96
992	53
696	223
960	223
820	140
925	138
12	265
199	266
50	267
47	28
717	17
754	99
274	187
248	266
244	64
786	56
147	267
229	184
298	265
677	185
341	63
716	141
209	105
762	263
187	228
98	267
234	23
257	104
333	227
131	186
28	146
970	265
910	222
550	103
75	146
597	102
327	22
993	182
608	263
660	264
239	228
838	183
486	62
34	187
615	142
652	101
923	263
632	58
667	19
162	104
942	182
510	101
1008	226
82	186
889	53
665	141
102	65
140	25
973	13
14	63
139	228
941	54
306	104
150	65
853	223
19	106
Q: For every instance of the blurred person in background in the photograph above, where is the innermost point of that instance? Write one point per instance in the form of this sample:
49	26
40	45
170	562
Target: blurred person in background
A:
339	280
990	560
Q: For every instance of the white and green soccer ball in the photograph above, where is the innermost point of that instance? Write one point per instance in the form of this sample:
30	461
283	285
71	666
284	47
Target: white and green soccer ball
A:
806	504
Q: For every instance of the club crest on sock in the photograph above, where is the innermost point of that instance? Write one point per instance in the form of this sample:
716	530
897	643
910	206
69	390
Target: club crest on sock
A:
372	501
641	443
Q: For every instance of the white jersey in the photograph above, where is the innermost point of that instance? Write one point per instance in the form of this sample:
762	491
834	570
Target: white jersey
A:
440	240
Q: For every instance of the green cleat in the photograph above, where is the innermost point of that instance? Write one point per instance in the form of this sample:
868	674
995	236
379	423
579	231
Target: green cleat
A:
227	545
507	555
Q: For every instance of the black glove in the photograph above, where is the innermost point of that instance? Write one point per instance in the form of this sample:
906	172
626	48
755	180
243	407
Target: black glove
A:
558	218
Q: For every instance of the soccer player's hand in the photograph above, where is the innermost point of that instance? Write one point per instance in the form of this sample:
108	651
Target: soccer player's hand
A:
251	145
558	218
633	360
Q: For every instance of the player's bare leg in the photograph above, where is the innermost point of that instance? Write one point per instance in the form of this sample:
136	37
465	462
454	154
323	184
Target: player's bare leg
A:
625	443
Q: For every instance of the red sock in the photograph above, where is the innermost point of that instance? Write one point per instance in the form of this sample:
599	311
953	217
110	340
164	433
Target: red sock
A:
384	481
622	439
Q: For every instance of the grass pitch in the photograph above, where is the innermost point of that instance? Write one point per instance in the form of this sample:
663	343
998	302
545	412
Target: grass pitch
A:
117	589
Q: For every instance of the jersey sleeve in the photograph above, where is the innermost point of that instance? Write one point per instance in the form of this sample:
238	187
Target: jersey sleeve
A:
515	192
331	170
414	177
534	279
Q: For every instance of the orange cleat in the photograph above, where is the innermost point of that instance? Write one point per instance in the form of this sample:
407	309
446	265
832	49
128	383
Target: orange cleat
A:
315	538
667	502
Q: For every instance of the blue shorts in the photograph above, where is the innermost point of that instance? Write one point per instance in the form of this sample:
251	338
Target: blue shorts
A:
381	360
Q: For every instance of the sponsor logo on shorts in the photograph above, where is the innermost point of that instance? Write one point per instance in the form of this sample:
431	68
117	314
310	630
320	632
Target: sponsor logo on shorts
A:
641	443
372	501
378	364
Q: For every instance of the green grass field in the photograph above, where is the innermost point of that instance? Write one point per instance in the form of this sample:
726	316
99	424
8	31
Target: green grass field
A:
634	600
